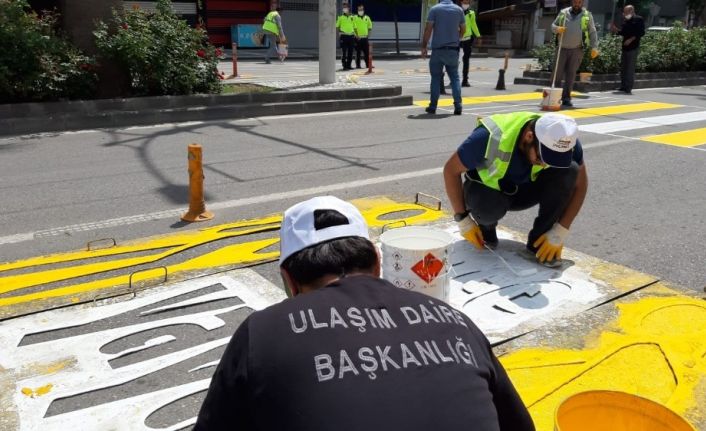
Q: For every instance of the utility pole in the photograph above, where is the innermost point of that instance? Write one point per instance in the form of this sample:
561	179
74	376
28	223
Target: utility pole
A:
327	41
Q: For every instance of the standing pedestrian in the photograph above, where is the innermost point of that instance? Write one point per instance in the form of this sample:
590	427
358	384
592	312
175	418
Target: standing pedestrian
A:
576	28
447	23
632	31
363	24
346	30
272	26
350	351
468	37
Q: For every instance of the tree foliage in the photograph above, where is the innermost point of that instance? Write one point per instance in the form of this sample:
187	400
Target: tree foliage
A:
161	54
36	62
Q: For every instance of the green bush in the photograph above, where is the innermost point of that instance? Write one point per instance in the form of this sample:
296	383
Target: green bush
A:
665	51
160	53
36	63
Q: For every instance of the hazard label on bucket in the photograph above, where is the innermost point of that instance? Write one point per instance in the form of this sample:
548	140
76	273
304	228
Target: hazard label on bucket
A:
428	268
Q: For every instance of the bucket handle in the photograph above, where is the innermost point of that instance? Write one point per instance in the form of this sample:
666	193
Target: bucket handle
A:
387	225
433	198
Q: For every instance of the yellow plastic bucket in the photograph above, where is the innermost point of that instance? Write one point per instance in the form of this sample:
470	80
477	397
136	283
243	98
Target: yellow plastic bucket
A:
615	411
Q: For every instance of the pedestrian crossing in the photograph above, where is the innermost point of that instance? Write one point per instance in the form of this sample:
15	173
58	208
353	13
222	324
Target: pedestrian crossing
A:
648	121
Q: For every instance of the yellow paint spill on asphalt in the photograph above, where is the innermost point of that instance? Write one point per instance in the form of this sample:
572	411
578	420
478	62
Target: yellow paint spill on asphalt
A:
655	349
42	390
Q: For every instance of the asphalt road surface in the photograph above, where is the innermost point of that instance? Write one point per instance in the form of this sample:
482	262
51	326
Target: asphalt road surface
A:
645	208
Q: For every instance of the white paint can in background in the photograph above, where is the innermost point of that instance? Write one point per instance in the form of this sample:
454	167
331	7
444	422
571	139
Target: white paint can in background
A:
416	258
551	99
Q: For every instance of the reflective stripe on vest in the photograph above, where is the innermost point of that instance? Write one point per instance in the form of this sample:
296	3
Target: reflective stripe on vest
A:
585	19
270	23
504	130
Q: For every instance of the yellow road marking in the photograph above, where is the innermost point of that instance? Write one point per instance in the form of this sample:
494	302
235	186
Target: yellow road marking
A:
377	212
687	138
656	348
517	97
618	109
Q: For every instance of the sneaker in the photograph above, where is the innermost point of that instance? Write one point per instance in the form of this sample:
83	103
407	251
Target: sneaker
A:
490	236
465	84
430	110
567	103
532	256
458	111
621	89
628	92
268	62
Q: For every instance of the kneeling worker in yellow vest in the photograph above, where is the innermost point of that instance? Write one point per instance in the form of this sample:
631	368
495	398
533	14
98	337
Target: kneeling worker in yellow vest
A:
512	162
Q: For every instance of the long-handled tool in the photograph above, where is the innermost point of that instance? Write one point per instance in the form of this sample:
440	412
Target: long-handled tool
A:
522	273
548	97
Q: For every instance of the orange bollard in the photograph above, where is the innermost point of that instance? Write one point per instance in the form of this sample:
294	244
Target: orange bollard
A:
197	206
370	57
234	46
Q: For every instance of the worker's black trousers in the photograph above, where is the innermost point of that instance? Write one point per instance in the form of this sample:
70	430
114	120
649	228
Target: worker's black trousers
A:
552	191
467	47
347	46
362	47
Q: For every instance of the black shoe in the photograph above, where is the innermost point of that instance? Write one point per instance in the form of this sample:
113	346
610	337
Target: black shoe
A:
490	236
628	92
465	84
458	111
430	110
621	89
567	103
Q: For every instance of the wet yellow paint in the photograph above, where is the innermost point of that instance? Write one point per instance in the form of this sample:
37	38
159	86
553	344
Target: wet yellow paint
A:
687	138
42	390
377	212
618	109
655	349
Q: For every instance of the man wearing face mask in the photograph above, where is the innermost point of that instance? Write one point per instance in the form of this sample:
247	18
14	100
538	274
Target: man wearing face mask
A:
468	38
512	162
632	31
363	24
576	28
346	30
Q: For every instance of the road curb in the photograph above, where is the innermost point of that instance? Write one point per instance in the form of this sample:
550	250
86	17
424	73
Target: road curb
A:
27	118
606	82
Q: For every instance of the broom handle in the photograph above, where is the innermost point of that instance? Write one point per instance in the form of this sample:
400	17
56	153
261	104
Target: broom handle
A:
558	53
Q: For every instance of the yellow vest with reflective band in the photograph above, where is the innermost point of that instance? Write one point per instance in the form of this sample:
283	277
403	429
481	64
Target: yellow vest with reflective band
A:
471	26
270	23
585	18
345	24
504	130
362	24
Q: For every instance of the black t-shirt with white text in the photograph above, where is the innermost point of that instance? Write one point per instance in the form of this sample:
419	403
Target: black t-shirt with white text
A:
361	354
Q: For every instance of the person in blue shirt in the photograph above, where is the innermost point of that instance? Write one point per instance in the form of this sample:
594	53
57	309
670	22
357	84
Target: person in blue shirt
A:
447	23
512	162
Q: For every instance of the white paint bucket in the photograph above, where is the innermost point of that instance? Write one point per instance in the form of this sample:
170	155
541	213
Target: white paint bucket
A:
551	99
416	258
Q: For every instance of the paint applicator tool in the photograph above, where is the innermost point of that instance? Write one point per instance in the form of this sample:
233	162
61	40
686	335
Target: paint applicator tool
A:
522	273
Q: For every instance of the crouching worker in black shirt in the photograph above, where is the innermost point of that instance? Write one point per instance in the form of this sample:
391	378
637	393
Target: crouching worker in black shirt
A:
350	351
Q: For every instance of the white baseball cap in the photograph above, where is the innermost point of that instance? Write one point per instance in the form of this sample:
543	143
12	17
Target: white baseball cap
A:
557	135
298	231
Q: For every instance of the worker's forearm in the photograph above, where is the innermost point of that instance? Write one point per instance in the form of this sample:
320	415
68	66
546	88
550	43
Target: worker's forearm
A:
577	198
427	36
454	191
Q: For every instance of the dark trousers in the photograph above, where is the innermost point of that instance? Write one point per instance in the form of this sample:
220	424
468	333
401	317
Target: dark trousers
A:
552	190
467	46
569	62
347	45
627	69
362	47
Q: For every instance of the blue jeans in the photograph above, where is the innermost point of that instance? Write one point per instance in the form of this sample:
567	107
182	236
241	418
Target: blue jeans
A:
440	59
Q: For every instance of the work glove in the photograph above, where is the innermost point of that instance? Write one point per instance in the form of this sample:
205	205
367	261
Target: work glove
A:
550	244
560	30
471	232
594	53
